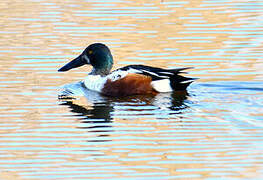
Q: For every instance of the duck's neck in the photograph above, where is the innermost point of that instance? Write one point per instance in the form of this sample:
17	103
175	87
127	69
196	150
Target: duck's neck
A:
102	72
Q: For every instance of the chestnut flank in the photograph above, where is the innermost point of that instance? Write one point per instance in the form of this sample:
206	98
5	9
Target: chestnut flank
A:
131	84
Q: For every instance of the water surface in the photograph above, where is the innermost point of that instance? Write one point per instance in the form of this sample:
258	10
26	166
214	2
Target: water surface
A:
212	131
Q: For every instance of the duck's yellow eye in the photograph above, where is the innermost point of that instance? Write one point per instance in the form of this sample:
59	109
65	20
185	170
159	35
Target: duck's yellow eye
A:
90	52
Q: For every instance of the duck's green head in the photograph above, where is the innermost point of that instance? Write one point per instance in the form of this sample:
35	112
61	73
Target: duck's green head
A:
98	55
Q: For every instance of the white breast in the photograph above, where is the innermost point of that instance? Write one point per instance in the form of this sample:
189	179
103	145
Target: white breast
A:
97	82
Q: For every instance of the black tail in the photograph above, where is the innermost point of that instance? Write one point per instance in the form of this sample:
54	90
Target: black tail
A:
180	83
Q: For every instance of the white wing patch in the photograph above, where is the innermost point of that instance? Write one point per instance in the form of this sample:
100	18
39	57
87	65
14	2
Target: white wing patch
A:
170	73
162	85
131	70
149	72
116	75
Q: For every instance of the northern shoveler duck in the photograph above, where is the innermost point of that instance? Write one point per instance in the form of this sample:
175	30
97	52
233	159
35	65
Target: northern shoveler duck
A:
128	80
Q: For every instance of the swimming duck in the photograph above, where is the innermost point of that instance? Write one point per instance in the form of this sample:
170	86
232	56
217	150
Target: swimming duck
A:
128	80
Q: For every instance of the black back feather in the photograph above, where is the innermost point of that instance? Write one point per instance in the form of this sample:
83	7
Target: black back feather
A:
177	81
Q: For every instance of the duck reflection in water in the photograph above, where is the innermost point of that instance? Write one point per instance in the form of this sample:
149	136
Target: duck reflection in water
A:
97	111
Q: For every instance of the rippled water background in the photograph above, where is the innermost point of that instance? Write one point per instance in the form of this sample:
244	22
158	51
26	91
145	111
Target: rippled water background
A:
216	130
